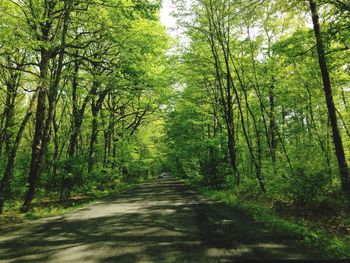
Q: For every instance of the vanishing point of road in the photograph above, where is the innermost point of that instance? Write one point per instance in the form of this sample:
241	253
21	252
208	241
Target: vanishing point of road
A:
160	221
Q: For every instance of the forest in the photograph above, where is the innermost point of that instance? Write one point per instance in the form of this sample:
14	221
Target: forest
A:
78	81
251	104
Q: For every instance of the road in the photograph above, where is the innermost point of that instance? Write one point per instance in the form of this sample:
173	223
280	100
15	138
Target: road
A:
160	221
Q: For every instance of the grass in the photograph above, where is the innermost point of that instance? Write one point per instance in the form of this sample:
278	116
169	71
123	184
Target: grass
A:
12	216
332	246
48	207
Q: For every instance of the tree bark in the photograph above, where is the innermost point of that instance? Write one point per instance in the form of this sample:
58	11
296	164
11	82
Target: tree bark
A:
47	91
337	140
272	127
5	182
39	133
94	128
226	97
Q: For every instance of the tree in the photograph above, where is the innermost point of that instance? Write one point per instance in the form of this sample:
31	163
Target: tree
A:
337	140
85	60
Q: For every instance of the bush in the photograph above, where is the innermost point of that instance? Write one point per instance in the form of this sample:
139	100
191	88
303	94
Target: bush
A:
307	187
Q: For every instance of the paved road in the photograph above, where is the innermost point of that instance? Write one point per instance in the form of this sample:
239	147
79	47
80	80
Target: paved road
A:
160	221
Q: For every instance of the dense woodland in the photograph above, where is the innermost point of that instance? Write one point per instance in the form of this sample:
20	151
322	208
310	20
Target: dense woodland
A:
255	98
78	81
263	99
262	109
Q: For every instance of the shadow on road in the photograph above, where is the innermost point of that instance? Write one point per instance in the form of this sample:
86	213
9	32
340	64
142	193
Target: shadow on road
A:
161	221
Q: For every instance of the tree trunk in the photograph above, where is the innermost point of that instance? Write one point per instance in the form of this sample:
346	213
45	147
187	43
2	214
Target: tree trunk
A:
39	133
93	137
338	144
96	106
44	114
5	182
272	127
226	101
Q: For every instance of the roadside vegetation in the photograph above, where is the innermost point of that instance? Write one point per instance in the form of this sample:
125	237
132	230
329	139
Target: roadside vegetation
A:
261	118
81	89
43	207
313	232
251	104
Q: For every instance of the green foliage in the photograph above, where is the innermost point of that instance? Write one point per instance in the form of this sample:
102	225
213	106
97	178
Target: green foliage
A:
261	60
239	106
332	246
53	208
307	185
106	77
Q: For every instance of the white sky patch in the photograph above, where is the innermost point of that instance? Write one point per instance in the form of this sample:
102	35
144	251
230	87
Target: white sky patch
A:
173	27
167	19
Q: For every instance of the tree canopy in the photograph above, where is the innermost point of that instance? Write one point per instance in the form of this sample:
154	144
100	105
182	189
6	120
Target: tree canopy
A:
254	99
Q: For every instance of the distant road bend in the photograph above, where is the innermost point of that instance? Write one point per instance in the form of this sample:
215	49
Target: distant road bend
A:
160	221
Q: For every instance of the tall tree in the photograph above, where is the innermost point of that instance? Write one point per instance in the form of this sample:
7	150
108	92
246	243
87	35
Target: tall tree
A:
337	140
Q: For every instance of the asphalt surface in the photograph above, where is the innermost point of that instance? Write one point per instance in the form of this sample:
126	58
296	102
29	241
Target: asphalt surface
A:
160	221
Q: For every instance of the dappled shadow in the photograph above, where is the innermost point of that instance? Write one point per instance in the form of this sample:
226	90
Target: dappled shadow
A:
161	221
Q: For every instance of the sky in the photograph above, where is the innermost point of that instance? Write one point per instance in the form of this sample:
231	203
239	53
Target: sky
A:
170	22
165	17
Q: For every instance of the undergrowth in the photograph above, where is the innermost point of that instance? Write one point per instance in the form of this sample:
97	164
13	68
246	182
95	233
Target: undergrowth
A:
332	245
48	206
